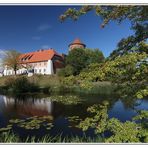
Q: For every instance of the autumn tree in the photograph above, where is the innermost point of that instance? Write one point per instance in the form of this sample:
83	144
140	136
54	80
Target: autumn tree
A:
11	60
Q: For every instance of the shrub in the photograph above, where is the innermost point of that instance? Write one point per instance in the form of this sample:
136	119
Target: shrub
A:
20	85
61	72
9	82
67	71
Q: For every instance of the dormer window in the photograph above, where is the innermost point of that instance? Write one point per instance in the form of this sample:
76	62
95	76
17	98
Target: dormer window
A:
26	57
30	57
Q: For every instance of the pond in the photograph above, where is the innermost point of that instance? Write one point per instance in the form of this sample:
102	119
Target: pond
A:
39	115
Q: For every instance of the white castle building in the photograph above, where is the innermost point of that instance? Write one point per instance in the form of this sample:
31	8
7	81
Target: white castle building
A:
46	62
38	62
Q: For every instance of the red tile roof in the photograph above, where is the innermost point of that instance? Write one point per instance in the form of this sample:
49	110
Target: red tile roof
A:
37	56
77	41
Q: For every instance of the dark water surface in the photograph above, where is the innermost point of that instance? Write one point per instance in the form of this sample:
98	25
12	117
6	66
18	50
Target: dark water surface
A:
23	107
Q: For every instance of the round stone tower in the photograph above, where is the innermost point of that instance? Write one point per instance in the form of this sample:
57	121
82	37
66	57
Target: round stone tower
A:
76	44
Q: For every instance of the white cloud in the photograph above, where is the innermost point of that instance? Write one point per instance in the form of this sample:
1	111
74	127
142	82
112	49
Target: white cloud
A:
36	38
44	27
0	63
2	54
45	46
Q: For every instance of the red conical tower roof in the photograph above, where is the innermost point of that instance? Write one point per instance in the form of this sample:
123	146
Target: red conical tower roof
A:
77	41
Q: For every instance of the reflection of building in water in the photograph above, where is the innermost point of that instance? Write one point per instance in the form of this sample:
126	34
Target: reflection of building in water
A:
29	107
3	103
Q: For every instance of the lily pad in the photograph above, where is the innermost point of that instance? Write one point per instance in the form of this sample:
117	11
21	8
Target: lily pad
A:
5	129
16	121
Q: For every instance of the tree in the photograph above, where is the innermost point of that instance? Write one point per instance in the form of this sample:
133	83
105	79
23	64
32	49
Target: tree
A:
95	56
120	132
77	59
127	64
82	58
136	14
128	72
11	60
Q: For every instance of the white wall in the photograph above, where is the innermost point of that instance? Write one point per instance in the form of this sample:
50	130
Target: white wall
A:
37	69
49	69
8	72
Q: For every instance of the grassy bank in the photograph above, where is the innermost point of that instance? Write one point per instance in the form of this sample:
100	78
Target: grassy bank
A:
24	84
40	80
48	84
9	137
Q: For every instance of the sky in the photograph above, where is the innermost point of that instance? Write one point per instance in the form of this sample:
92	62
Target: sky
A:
29	28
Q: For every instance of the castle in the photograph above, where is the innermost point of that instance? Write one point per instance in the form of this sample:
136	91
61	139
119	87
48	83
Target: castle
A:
46	62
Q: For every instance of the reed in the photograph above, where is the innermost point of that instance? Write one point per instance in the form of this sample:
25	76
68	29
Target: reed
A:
9	137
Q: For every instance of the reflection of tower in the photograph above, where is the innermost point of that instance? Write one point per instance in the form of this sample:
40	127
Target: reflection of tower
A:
76	44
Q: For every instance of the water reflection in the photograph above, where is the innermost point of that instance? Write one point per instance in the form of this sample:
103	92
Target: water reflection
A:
25	107
28	106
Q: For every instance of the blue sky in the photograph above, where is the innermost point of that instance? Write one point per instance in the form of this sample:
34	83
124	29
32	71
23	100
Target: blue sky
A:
29	28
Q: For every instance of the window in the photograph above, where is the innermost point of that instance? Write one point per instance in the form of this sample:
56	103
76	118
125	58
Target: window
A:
44	70
30	56
40	70
35	70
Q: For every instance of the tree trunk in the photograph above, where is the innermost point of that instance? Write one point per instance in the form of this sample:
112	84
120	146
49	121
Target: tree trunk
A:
15	71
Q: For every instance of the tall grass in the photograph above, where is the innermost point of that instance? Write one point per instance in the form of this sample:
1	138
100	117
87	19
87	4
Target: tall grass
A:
9	137
101	88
